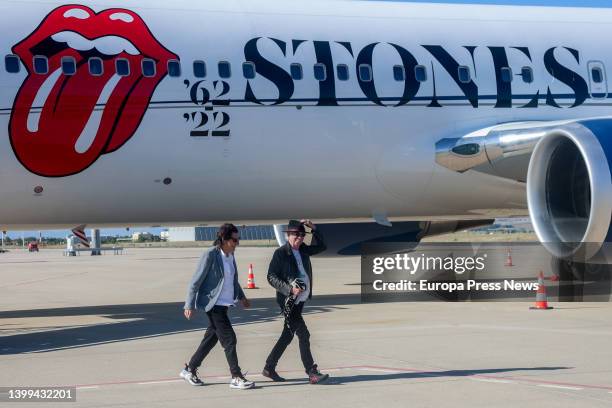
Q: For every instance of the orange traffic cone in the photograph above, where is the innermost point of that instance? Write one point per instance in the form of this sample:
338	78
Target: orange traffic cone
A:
251	279
509	258
541	300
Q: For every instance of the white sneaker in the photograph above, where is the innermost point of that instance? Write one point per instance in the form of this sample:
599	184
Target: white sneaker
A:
241	383
191	376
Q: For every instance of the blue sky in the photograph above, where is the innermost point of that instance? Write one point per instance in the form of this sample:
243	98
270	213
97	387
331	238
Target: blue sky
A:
552	3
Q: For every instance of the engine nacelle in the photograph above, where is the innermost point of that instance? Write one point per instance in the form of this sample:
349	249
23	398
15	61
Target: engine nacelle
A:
569	188
347	238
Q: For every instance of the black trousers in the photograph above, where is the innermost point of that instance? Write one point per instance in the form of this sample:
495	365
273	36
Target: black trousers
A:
219	329
298	326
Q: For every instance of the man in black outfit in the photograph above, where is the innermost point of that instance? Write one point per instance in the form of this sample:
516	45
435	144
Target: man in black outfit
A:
290	265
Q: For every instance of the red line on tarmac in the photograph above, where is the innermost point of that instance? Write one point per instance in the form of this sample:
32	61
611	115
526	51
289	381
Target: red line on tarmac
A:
497	377
203	376
122	382
529	380
425	373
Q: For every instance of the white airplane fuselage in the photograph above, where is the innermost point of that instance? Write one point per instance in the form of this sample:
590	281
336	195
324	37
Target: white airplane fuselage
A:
164	149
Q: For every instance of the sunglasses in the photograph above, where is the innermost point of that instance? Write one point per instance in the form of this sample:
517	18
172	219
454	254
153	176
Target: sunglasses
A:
236	240
298	234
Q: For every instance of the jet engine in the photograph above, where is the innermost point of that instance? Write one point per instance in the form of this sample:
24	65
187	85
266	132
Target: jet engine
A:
569	188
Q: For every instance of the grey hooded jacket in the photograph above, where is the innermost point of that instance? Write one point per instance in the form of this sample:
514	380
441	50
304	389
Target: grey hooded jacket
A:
205	286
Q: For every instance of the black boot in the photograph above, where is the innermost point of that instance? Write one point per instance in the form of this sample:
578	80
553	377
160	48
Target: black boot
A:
272	374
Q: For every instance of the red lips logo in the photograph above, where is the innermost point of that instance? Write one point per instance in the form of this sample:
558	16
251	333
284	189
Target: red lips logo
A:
61	124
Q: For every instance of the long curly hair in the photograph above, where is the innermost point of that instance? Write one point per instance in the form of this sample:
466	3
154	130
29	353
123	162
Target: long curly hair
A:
225	232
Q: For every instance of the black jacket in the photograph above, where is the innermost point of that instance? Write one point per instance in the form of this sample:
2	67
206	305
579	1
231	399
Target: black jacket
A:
283	266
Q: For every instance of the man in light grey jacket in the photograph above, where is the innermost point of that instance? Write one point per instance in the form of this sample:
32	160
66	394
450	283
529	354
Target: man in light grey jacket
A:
214	288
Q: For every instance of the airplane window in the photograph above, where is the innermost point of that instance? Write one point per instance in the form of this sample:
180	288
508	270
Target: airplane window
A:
122	67
225	69
296	71
398	73
148	67
199	69
420	73
41	65
11	63
96	67
174	68
248	70
464	74
527	74
597	75
343	72
68	66
506	74
319	72
365	72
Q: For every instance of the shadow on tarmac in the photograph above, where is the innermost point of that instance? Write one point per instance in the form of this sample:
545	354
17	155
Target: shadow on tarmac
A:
346	379
137	321
340	380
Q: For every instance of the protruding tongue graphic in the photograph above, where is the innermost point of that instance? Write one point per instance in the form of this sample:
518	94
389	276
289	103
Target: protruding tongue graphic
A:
82	115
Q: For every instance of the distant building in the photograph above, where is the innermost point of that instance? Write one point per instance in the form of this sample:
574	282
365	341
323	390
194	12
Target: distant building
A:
251	232
180	234
138	236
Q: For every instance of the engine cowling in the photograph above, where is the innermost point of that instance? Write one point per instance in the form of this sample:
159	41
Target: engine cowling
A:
569	188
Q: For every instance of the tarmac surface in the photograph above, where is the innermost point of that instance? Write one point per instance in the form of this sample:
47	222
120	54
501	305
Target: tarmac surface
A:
113	327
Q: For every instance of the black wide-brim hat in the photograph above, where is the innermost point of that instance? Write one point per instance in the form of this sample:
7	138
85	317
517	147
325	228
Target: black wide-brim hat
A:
295	226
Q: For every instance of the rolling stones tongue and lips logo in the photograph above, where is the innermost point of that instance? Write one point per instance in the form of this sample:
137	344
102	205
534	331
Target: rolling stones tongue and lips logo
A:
48	145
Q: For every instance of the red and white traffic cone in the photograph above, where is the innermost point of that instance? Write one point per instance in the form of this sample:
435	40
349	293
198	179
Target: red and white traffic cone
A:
251	279
509	258
541	299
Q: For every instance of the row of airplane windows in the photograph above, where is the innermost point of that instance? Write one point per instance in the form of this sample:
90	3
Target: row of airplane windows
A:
148	69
